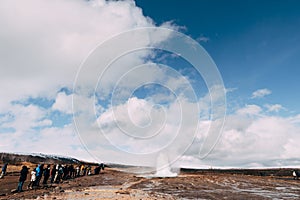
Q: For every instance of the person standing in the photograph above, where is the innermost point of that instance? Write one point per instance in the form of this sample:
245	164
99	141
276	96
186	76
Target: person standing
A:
97	170
22	179
89	170
3	173
295	174
32	180
60	173
53	173
65	171
46	174
102	166
39	173
82	170
71	171
77	171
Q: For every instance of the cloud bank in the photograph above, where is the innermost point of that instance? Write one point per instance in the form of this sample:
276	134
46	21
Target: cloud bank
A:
42	46
40	54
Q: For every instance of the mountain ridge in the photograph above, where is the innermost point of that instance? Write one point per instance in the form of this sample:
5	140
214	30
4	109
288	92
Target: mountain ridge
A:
17	158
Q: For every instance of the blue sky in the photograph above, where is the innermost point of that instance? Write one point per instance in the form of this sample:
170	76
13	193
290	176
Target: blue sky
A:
255	44
51	69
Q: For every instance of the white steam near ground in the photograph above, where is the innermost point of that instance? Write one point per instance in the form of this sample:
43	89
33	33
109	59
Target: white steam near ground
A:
42	46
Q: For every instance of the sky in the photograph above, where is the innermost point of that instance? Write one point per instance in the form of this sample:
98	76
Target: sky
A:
254	43
78	79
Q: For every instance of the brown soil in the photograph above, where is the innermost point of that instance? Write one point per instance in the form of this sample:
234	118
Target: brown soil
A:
113	184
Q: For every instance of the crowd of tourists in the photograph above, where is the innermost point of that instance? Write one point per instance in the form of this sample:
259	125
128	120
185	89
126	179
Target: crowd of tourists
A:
42	175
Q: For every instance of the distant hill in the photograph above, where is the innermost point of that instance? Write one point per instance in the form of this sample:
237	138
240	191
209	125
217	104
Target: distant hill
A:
252	172
16	158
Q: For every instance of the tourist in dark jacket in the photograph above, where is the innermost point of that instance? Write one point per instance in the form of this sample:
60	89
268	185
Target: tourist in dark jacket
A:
102	166
53	172
71	171
46	174
23	176
97	169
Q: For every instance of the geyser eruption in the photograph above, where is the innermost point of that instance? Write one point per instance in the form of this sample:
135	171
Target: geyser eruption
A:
163	167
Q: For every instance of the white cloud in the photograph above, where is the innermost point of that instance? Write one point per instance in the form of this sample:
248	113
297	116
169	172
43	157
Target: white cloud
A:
52	140
249	110
44	42
261	93
140	127
203	39
45	122
251	138
42	46
262	140
252	141
63	103
25	118
228	90
274	107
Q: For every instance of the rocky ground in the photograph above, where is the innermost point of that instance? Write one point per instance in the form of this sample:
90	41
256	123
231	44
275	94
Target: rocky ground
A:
114	184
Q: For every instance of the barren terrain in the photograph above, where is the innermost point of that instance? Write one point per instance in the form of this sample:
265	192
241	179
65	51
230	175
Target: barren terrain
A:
114	184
